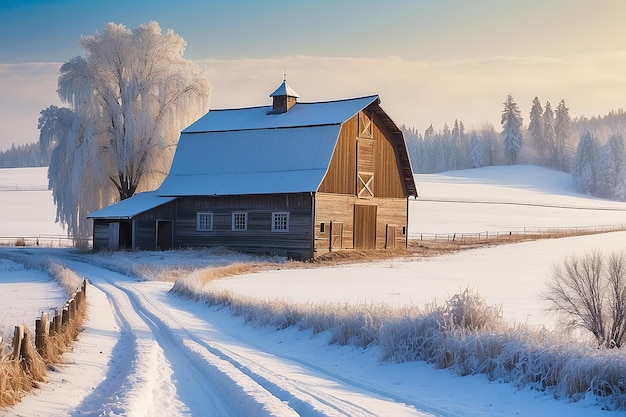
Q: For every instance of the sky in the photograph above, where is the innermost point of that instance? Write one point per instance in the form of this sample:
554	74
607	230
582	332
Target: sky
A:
431	62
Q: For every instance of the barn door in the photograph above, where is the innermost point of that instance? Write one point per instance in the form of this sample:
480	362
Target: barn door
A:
164	235
336	236
114	236
364	227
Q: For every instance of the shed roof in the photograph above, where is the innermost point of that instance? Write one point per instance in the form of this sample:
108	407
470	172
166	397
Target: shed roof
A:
131	207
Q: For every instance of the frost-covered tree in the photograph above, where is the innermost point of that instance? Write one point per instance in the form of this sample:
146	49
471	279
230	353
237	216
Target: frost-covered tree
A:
562	134
549	136
609	165
130	96
535	126
511	122
475	156
489	138
584	164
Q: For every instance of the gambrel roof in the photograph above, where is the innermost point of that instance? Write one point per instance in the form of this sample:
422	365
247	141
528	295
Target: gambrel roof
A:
255	151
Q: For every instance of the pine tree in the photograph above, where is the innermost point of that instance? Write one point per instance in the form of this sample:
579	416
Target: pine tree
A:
549	137
475	152
584	164
562	134
511	130
535	127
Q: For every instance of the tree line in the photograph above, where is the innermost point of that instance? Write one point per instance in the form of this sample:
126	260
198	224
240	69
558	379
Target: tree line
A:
591	149
27	155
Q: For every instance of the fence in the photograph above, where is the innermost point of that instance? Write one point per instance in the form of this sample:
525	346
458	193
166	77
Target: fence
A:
519	232
53	241
62	325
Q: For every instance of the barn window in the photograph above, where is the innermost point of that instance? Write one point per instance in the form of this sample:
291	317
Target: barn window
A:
204	222
240	220
280	221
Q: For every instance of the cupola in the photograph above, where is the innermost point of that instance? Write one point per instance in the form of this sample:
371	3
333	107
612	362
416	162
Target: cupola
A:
284	98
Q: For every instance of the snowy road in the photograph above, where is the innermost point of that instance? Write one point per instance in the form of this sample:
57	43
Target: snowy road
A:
169	361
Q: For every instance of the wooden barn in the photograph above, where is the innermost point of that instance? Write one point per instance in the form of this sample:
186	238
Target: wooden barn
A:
296	179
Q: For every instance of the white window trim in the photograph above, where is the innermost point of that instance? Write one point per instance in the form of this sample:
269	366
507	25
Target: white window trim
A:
209	227
245	226
274	229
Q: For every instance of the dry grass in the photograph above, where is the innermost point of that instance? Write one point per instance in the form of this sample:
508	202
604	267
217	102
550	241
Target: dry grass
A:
416	249
18	377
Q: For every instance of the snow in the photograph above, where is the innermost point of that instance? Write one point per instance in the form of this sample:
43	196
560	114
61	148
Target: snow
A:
130	207
284	90
146	351
301	114
26	205
251	161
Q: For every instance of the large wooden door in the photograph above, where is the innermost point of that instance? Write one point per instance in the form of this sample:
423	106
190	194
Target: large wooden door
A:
364	227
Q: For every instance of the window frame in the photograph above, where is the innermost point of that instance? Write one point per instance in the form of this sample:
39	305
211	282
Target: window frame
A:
275	214
208	214
234	223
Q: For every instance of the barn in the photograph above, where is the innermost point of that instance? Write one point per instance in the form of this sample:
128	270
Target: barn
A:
298	179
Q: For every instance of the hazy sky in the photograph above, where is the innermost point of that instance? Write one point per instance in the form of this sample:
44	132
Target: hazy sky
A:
430	61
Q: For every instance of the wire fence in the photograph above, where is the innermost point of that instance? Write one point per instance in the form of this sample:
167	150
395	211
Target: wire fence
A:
516	232
44	240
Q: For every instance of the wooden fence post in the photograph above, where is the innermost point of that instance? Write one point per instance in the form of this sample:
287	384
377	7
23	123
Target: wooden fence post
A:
42	328
65	316
84	289
17	342
72	309
56	323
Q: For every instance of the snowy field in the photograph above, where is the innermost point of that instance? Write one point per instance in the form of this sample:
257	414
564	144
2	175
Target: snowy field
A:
147	352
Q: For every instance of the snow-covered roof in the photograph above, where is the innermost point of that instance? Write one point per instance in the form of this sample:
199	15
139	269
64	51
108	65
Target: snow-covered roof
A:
301	114
284	90
131	207
253	151
263	161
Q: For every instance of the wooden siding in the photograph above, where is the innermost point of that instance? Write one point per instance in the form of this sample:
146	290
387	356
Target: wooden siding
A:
341	175
375	159
388	178
390	213
296	242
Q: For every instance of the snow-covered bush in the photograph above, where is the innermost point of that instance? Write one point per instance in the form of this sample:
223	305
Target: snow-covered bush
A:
465	335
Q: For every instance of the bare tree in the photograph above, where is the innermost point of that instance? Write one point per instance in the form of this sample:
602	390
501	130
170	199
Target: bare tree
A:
590	293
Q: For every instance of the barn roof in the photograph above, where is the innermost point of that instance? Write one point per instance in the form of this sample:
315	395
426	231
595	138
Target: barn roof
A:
254	151
301	114
131	207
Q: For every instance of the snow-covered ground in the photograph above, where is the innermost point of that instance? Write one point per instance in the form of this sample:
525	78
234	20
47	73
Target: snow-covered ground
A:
145	351
26	206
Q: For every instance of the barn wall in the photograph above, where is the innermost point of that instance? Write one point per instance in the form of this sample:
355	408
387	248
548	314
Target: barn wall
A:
100	234
387	174
259	238
340	209
342	177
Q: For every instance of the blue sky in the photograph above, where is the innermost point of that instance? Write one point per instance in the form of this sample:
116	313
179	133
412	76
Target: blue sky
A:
431	61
